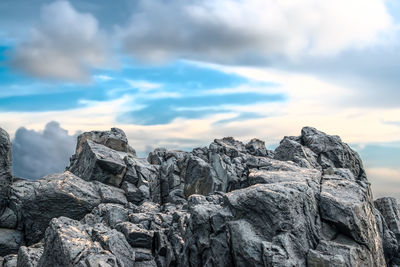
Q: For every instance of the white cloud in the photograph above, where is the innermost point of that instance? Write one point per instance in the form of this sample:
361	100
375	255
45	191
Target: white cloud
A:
102	78
143	85
240	31
66	44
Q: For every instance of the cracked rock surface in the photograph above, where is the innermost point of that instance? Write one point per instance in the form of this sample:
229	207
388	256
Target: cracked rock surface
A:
308	203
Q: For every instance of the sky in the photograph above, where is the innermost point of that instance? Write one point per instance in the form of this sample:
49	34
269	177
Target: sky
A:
180	73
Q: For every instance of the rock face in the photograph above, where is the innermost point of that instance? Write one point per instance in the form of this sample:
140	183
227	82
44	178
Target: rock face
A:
308	203
5	169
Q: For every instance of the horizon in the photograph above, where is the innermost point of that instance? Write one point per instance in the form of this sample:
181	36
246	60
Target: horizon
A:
181	74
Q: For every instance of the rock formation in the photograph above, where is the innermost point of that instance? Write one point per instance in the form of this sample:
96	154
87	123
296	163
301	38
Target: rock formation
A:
308	203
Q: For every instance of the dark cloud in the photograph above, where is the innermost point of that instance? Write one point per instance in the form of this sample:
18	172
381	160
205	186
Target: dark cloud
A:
39	153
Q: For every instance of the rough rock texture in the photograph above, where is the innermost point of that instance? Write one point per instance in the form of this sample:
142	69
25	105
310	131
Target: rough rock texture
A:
390	216
5	169
308	203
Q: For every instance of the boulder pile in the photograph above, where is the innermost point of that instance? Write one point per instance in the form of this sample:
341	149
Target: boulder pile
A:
307	203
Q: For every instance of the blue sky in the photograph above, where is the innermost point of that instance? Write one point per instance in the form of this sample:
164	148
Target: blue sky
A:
181	73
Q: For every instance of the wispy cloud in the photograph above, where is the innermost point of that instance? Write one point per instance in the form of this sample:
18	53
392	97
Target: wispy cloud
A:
143	85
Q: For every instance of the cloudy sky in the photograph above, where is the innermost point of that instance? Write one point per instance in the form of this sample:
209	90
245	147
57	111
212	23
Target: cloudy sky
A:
180	73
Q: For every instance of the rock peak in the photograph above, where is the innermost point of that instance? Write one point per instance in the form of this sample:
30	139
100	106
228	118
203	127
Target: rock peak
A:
307	203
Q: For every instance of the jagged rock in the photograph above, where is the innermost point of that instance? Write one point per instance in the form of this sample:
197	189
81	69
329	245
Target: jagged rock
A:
30	256
389	210
8	219
10	241
134	194
108	214
389	241
136	236
308	203
289	149
100	163
5	169
348	205
200	178
342	252
114	139
68	243
110	194
10	260
234	228
315	148
115	242
56	195
332	152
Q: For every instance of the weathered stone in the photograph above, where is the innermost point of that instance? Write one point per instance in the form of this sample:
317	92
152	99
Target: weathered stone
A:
10	241
389	209
67	243
108	214
289	149
115	242
100	163
114	139
389	241
136	236
309	204
200	178
30	256
53	196
256	147
8	219
5	169
332	152
342	252
348	205
134	194
110	194
10	260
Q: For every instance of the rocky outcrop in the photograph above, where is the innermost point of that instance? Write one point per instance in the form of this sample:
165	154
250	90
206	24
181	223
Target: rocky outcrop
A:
308	203
5	169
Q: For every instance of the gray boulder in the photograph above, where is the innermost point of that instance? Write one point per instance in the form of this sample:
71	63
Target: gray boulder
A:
315	149
68	243
100	163
390	215
10	241
114	139
5	169
10	260
56	195
30	256
349	207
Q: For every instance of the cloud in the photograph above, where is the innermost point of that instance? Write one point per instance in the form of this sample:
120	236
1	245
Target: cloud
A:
143	85
39	153
231	31
65	45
